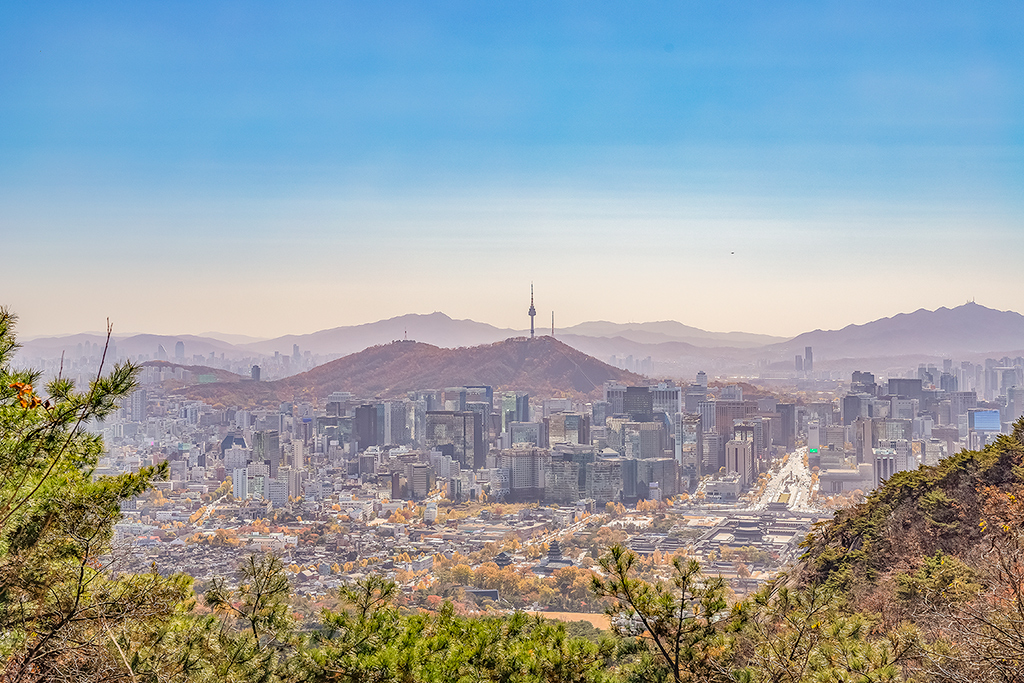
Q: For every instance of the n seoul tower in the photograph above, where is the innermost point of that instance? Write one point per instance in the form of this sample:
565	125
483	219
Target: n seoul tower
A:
533	311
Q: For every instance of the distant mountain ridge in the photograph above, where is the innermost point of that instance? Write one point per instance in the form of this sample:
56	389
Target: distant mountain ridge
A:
441	330
966	330
668	331
197	370
541	366
434	328
144	344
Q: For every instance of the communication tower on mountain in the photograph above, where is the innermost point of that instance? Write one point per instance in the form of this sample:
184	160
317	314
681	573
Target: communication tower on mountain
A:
533	311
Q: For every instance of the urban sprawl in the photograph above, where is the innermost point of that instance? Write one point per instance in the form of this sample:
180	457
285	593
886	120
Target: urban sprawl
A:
486	490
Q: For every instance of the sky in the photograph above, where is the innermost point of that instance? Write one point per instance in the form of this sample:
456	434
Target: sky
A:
270	168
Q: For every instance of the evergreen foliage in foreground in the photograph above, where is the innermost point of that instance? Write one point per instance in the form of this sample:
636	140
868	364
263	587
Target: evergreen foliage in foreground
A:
924	582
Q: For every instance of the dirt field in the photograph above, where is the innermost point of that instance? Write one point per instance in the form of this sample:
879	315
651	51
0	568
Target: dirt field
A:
597	620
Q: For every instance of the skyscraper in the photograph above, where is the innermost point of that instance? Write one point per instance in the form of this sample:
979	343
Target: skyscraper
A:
526	472
138	406
689	446
614	394
240	483
739	458
638	403
787	413
266	448
365	426
462	430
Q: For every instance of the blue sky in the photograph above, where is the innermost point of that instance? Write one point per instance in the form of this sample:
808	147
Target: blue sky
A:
267	168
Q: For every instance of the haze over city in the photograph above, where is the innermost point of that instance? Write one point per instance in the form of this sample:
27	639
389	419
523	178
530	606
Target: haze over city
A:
268	170
545	342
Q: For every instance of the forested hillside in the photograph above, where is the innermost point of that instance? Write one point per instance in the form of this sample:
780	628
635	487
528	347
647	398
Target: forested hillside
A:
541	366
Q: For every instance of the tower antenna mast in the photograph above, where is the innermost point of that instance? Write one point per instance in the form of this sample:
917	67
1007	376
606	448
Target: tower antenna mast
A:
532	312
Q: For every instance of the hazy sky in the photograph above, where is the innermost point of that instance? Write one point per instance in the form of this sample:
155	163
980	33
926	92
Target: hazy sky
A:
267	168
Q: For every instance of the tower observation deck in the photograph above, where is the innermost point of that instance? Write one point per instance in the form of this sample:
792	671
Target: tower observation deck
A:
532	312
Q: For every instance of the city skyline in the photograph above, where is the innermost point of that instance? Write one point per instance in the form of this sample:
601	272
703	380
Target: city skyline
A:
205	168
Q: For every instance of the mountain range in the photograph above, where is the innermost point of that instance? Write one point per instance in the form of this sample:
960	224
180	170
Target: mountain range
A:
946	332
967	332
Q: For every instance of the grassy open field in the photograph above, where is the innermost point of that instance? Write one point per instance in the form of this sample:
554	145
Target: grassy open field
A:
596	620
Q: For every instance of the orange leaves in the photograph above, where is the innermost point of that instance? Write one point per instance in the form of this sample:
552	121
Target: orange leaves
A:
26	397
1001	509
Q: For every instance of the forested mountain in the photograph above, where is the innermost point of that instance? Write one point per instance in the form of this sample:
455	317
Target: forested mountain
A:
541	366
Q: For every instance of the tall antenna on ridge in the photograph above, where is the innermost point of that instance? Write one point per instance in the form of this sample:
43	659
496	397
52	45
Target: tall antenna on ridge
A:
532	312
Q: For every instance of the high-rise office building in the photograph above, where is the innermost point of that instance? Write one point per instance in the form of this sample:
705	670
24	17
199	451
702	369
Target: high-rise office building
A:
892	429
138	406
694	395
644	440
276	492
525	433
600	411
706	410
689	446
240	483
1014	404
960	402
419	478
525	472
266	448
561	481
604	480
515	407
481	393
814	434
739	458
863	383
638	403
463	430
661	472
906	388
855	406
666	398
726	415
569	428
364	426
884	465
787	414
714	452
614	395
